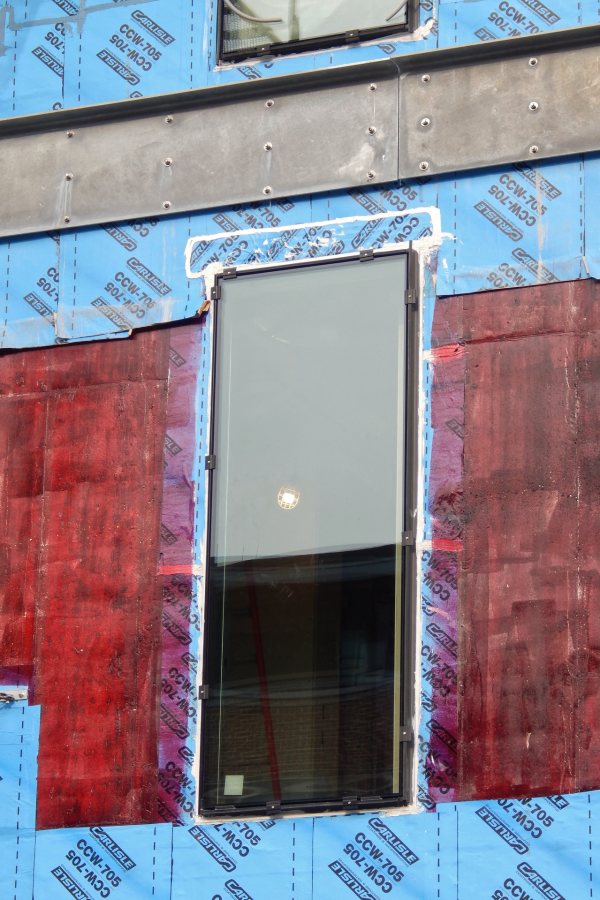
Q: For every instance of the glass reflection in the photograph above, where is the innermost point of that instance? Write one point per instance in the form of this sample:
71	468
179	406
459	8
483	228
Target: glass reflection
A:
307	678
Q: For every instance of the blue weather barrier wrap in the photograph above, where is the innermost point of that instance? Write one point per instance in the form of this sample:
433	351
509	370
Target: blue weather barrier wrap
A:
19	736
509	227
134	861
58	53
506	227
533	847
493	849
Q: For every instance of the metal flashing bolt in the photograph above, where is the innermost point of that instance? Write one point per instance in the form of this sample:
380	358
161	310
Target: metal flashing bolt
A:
69	176
267	190
534	149
533	61
167	204
425	78
268	146
67	219
370	175
371	129
269	104
425	122
70	133
534	105
168	119
168	161
423	166
372	87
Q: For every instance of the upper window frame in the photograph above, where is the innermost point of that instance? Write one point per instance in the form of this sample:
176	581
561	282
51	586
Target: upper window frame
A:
409	616
339	40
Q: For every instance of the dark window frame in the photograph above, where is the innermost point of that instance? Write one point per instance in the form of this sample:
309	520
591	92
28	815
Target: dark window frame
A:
409	568
331	41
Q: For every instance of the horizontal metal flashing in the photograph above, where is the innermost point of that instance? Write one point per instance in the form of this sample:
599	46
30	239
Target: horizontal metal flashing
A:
448	110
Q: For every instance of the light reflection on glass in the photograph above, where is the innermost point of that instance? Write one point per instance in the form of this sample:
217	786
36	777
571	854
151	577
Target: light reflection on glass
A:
288	498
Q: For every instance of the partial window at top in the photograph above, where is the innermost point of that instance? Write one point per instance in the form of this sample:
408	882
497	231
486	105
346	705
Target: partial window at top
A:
258	27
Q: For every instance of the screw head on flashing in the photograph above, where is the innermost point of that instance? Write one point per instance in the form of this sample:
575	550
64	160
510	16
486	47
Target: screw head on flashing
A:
533	61
167	204
269	104
70	134
168	119
425	78
168	161
425	122
69	176
370	175
534	105
373	87
268	145
267	190
423	166
67	219
371	129
534	149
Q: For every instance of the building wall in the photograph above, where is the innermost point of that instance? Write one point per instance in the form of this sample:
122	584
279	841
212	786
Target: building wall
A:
103	504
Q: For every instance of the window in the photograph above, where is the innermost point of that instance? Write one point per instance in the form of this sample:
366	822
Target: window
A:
255	27
307	656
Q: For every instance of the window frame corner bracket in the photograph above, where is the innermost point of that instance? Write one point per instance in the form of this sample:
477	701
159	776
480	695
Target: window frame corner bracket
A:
406	734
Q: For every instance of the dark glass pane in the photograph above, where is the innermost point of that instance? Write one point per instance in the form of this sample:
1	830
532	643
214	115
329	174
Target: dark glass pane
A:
304	600
251	23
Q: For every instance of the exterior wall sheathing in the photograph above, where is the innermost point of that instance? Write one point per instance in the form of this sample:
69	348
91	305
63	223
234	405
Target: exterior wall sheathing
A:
103	504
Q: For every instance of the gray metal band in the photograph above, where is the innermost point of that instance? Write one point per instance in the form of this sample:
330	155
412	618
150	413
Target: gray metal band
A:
442	111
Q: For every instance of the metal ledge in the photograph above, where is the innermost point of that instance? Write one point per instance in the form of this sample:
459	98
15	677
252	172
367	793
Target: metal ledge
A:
447	110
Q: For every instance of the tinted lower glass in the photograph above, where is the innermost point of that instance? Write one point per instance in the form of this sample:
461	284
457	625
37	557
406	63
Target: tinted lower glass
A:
302	648
248	24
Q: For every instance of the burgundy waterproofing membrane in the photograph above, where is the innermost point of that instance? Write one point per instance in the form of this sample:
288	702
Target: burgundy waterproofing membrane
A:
97	445
529	634
81	460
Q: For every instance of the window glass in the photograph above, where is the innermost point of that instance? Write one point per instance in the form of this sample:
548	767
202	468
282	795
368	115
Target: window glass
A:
303	654
249	24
